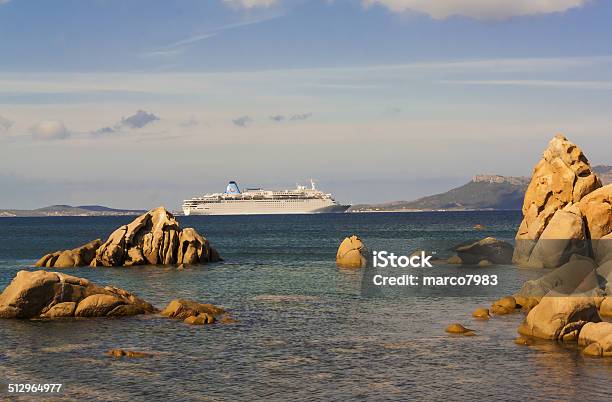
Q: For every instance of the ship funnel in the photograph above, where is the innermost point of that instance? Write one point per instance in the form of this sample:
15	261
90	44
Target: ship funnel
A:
232	188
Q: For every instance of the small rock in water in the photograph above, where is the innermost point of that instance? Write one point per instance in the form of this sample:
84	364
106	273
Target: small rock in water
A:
454	260
117	353
181	309
485	263
458	329
351	253
523	341
481	313
227	319
478	226
200	319
505	305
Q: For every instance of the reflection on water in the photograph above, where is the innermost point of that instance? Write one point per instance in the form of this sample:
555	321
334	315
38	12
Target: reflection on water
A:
305	328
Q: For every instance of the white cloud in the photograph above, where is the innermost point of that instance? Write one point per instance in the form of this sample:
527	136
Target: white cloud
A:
479	9
50	130
251	3
4	2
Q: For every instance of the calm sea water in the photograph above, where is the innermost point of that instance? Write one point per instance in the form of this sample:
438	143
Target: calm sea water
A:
306	330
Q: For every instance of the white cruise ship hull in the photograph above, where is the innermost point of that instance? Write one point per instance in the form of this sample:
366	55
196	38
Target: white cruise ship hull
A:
265	207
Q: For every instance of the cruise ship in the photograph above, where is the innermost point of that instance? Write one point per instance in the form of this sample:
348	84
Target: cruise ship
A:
256	201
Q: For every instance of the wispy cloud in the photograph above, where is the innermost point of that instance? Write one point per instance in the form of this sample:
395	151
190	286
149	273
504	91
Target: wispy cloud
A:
242	121
137	120
2	2
178	47
251	3
595	85
478	9
301	116
279	118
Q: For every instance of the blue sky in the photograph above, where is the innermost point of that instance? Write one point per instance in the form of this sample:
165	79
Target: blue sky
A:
376	99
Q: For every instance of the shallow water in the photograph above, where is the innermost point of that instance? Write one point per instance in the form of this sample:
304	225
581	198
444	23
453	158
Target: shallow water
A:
306	329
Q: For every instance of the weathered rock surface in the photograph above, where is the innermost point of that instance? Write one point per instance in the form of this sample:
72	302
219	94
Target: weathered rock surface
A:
351	253
564	236
562	177
45	294
594	332
577	275
596	208
605	308
600	349
154	238
488	249
181	309
559	317
76	257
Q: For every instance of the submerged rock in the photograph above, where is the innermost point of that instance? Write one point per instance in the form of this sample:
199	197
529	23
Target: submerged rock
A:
459	329
153	238
127	353
562	177
181	309
558	316
200	319
351	253
44	294
488	249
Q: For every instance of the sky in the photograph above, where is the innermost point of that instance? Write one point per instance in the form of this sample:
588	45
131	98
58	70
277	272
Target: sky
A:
141	103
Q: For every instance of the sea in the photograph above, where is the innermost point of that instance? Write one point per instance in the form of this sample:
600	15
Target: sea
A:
306	329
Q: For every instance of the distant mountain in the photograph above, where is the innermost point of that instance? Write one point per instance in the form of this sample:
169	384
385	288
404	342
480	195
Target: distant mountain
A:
604	173
483	192
68	210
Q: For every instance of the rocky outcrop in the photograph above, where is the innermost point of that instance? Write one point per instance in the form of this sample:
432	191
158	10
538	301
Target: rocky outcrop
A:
44	294
154	238
559	317
562	178
488	249
351	253
76	257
